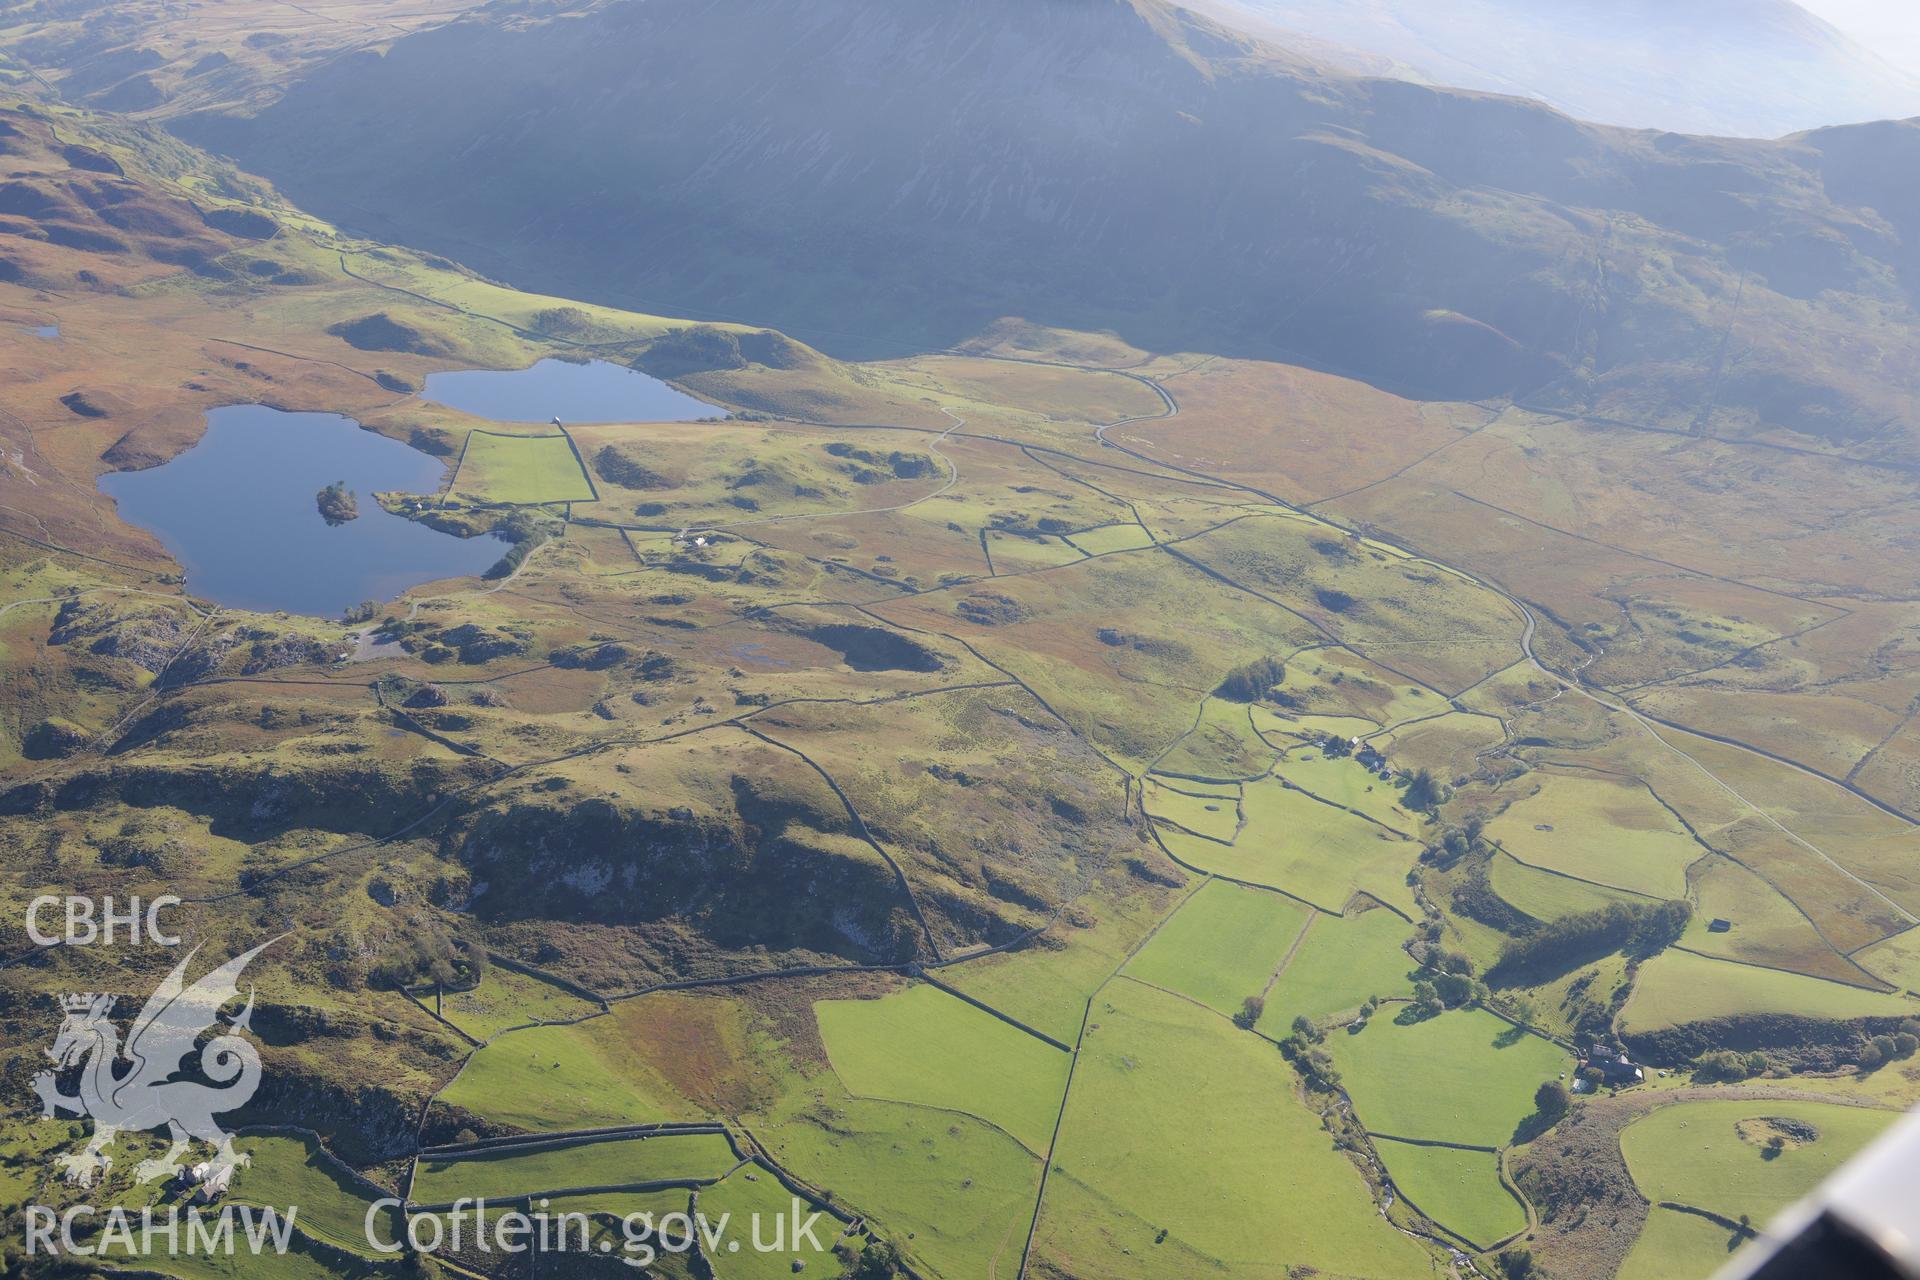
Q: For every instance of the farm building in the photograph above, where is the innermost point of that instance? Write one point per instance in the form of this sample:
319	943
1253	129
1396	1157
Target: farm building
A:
1613	1065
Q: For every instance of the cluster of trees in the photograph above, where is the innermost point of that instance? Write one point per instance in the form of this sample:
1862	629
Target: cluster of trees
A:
526	529
1724	1066
1449	984
1639	929
1306	1049
1890	1048
1423	792
562	321
1457	842
878	1261
1517	1264
337	504
1250	681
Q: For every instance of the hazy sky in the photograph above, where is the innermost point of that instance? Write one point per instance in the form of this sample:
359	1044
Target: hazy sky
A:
1891	28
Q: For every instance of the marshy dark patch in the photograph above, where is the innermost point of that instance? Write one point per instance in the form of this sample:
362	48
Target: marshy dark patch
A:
1337	601
874	649
87	406
128	454
71	237
87	158
381	332
248	224
618	466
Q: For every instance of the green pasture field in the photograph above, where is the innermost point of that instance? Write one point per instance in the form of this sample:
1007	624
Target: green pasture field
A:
1464	1076
1221	745
753	1191
1312	850
1342	962
954	1194
1544	895
1611	833
1181	1123
520	469
564	1077
1195	787
505	999
603	1208
1222	945
1345	783
1694	1152
296	1171
1677	987
621	1204
297	1263
1108	538
1013	552
924	1046
1047	985
1460	1190
1215	816
1309	728
1677	1246
1896	959
611	1162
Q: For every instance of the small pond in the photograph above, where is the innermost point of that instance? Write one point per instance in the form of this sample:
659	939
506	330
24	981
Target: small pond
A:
597	391
239	512
44	330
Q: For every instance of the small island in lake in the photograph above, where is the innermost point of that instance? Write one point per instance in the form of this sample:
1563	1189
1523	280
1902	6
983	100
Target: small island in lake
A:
336	503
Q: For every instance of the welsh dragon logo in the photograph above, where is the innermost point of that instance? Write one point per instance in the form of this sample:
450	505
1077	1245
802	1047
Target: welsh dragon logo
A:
130	1087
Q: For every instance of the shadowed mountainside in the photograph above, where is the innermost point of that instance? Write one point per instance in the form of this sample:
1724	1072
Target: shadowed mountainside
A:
1105	164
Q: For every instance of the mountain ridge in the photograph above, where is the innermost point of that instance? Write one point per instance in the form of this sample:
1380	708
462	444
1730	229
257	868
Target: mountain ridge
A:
1094	164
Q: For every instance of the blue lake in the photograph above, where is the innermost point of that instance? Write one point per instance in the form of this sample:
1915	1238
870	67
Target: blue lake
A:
597	391
238	512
